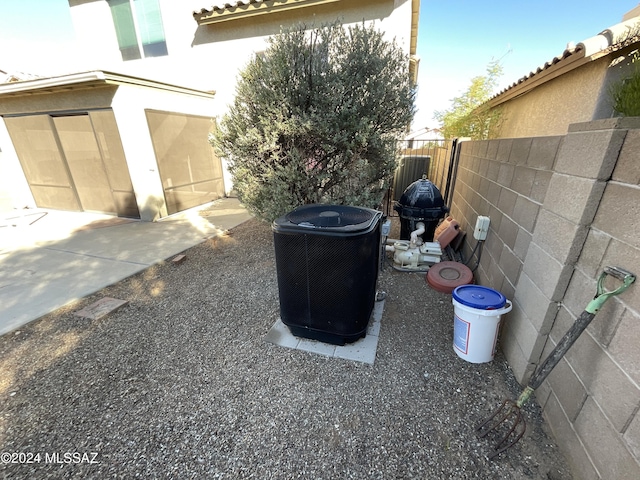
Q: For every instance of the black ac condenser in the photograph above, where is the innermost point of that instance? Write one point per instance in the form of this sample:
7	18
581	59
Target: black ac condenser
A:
327	259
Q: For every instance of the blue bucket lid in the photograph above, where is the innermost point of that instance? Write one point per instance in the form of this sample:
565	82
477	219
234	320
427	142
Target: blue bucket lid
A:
476	296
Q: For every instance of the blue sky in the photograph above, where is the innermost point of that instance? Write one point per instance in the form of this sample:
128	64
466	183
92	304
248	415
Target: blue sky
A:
28	26
456	38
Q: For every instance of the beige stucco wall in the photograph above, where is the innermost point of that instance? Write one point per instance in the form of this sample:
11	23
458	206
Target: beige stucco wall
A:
209	57
551	107
129	106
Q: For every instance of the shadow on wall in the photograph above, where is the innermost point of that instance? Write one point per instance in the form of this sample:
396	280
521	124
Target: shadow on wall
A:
350	11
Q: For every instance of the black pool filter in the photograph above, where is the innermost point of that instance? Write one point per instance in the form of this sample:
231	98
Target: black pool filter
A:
327	259
420	202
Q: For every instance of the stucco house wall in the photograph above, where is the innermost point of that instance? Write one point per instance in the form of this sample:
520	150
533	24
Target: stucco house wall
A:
209	57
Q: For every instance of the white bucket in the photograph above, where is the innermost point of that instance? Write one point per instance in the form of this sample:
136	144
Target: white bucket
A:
475	331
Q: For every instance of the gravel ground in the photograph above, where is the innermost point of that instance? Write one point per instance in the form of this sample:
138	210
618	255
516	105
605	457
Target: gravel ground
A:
180	383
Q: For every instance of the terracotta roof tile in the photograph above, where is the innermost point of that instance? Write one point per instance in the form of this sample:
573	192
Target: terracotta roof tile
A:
610	39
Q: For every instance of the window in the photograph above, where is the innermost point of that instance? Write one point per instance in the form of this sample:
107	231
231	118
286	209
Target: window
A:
139	29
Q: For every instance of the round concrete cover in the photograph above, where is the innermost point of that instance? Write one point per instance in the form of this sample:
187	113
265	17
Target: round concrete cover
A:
446	276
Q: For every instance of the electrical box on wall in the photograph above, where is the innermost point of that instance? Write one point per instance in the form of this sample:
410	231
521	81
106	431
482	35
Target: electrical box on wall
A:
482	228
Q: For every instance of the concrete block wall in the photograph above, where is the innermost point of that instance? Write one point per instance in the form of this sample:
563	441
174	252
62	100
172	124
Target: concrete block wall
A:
562	208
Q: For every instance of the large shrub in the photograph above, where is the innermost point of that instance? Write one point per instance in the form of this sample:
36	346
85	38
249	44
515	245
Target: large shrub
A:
316	118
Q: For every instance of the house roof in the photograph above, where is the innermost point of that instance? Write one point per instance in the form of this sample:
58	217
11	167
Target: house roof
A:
8	77
223	11
90	79
609	40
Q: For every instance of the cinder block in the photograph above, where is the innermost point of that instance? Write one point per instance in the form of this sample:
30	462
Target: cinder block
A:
496	218
558	236
468	148
632	436
496	275
535	304
628	257
593	251
561	325
484	187
619	212
627	170
510	264
616	394
568	441
549	275
508	231
530	341
493	193
604	326
475	181
622	123
474	163
525	213
604	445
522	244
543	152
493	169
566	386
540	185
520	151
493	246
580	291
507	201
523	179
590	154
504	150
507	288
624	345
505	175
520	366
492	149
574	198
482	148
483	166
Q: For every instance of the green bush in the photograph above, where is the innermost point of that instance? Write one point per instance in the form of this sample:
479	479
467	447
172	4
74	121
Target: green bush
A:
315	119
626	94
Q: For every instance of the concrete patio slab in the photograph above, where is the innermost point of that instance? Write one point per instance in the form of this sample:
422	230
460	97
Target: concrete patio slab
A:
50	258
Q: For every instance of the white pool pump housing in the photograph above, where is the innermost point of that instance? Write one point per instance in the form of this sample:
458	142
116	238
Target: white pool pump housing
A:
414	254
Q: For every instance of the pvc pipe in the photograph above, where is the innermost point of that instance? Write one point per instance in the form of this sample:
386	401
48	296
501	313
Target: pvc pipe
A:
416	233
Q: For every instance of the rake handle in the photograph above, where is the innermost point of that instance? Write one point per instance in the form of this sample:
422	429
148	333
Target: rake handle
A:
582	322
542	372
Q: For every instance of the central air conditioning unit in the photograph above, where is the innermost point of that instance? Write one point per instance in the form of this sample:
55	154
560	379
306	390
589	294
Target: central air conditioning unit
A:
327	260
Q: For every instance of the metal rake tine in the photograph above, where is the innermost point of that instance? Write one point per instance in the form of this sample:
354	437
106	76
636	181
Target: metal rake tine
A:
482	429
519	421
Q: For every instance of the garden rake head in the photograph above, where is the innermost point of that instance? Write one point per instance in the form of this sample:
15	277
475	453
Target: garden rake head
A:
506	424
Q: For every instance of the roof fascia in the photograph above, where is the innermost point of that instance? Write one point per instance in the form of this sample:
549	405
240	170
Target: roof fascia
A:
90	79
251	9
